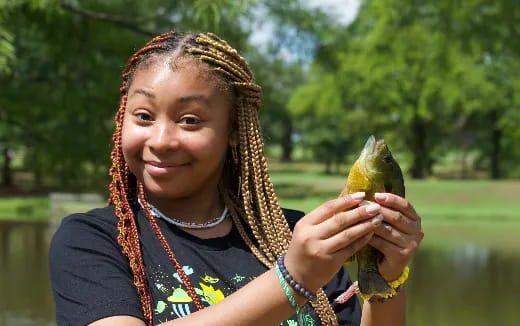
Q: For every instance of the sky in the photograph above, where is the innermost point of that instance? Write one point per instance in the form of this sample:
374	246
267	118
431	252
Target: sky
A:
344	11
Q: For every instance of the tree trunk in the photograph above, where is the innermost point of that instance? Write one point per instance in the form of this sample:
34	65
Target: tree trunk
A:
420	153
328	166
463	156
287	144
7	173
496	138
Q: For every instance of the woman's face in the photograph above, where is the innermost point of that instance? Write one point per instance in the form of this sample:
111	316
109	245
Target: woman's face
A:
176	129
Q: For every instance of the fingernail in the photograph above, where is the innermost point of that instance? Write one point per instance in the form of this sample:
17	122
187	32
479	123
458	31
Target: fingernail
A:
380	196
358	195
377	220
373	208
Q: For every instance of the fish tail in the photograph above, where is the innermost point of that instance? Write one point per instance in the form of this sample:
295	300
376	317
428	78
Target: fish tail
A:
372	283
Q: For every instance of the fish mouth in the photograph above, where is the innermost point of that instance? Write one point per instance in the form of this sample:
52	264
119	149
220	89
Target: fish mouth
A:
369	154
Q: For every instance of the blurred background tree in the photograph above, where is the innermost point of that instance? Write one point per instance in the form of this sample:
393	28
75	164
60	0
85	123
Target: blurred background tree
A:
438	80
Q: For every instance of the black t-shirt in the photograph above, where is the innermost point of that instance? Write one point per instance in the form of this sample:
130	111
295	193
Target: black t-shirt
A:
92	279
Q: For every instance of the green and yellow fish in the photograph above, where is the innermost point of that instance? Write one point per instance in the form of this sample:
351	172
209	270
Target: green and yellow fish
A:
374	171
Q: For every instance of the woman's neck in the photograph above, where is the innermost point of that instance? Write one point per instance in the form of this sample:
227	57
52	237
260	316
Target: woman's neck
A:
195	209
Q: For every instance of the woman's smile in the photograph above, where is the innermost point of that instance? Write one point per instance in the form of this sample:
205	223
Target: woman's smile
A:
158	168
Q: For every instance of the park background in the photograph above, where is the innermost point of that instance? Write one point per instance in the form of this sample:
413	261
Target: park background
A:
439	80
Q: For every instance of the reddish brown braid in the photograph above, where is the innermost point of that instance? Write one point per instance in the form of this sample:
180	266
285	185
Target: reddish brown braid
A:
178	267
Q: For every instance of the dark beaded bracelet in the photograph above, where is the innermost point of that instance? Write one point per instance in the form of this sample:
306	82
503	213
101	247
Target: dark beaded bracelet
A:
295	285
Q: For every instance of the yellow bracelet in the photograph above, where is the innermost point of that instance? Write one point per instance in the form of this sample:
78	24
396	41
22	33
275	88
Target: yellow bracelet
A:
401	279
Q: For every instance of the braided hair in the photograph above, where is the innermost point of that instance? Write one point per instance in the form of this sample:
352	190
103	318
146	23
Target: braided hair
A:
246	186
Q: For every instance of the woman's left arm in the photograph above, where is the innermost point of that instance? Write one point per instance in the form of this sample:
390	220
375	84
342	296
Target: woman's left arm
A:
398	238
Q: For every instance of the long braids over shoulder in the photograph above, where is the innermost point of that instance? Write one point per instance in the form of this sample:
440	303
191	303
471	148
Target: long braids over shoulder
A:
248	191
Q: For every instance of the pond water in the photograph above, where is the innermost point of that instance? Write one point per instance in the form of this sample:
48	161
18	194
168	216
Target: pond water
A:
461	286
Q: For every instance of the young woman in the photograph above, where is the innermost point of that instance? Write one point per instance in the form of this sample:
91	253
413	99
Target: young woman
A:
194	230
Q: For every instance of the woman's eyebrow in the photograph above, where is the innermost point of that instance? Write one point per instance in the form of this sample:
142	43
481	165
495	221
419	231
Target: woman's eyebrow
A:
144	92
194	98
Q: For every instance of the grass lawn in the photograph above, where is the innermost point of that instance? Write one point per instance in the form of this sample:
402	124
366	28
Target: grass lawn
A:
24	208
478	211
30	209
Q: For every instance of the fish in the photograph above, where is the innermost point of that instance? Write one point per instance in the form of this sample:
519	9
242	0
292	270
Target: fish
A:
376	170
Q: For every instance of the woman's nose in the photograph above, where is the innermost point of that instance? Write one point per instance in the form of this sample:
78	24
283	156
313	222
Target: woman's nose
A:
164	137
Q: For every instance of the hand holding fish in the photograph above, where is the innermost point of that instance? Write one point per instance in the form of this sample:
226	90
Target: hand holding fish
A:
398	237
377	173
329	235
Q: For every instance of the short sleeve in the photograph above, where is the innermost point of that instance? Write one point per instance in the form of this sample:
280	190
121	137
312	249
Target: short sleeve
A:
91	278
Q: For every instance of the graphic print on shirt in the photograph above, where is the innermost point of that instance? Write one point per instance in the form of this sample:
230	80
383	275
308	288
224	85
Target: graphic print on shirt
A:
173	301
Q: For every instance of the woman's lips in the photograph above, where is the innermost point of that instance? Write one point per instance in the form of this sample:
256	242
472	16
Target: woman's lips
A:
158	169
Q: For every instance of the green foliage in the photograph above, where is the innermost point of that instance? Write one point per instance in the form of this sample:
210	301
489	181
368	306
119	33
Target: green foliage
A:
436	79
60	66
428	75
60	79
6	50
215	11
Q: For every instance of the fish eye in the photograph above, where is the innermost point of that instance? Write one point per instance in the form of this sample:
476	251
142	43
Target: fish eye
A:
387	158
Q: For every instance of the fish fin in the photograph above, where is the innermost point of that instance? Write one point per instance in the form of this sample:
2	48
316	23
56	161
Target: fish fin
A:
372	283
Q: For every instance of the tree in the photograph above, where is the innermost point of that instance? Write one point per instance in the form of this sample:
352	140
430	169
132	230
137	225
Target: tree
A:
61	84
405	67
60	65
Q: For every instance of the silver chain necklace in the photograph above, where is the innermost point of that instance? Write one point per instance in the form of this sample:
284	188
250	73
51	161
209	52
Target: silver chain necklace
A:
188	225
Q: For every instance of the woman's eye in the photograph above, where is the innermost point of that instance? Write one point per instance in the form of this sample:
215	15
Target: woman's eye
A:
143	116
190	121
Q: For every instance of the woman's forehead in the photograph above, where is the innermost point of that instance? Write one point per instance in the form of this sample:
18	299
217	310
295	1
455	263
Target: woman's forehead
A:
188	82
185	67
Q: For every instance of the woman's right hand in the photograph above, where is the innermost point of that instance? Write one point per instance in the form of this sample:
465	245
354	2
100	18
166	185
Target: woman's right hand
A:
326	237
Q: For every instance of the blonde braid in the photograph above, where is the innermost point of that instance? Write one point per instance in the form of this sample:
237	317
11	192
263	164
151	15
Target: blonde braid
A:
265	215
235	212
256	145
245	192
256	201
230	66
275	212
224	46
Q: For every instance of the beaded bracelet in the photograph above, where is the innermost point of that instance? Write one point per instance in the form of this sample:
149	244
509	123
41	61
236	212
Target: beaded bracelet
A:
401	279
295	285
286	289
